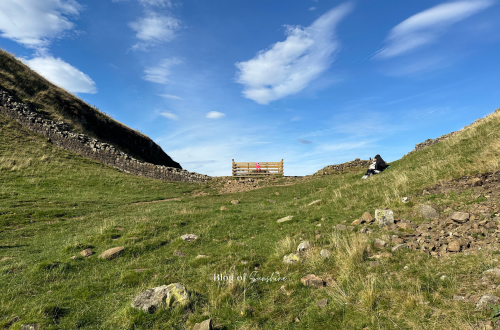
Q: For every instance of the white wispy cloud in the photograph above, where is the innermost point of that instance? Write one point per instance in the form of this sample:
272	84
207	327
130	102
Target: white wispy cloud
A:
215	115
169	96
62	74
169	115
427	26
153	29
35	23
159	74
304	141
160	3
312	8
288	66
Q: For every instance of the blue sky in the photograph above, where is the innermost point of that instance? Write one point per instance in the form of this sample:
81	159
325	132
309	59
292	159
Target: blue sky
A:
312	82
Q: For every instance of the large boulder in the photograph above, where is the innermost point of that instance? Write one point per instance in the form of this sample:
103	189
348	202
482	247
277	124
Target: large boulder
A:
164	296
384	217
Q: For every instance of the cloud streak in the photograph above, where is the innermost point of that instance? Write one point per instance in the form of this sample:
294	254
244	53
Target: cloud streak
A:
287	67
159	74
427	26
35	23
153	29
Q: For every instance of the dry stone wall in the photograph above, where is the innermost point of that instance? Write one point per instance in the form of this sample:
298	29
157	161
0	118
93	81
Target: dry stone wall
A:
60	135
340	168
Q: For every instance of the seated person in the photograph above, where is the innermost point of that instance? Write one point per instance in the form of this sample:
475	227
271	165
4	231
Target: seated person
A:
377	166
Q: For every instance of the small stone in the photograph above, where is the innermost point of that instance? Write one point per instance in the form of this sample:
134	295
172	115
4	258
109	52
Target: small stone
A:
458	298
341	227
454	246
356	222
163	296
205	325
283	290
297	320
277	193
303	246
235	202
111	253
73	257
486	300
404	199
271	201
189	237
223	208
373	263
460	217
201	256
314	202
292	258
399	247
428	212
318	225
384	217
288	218
312	280
367	217
296	198
86	252
325	254
378	243
322	303
318	236
178	254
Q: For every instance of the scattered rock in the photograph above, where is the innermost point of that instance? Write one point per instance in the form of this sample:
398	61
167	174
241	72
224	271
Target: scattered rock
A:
86	252
322	303
296	198
405	199
111	253
365	231
284	291
460	217
384	217
303	246
164	296
378	243
366	217
356	222
223	208
292	258
325	254
72	257
314	202
271	201
205	325
201	256
189	237
235	202
373	263
277	193
428	212
458	298
486	300
312	280
288	218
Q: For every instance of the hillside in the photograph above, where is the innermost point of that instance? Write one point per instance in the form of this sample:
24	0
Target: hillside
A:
56	104
55	204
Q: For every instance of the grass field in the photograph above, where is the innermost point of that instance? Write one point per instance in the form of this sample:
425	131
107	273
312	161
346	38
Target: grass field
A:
54	204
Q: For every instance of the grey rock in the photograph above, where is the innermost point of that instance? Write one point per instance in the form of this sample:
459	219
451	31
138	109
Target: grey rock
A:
164	296
458	298
322	303
288	218
428	212
341	227
492	272
325	254
235	202
205	325
384	217
486	300
111	253
86	252
178	254
460	217
189	237
271	201
378	243
303	246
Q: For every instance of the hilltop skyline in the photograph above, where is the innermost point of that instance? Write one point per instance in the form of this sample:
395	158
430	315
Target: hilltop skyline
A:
314	83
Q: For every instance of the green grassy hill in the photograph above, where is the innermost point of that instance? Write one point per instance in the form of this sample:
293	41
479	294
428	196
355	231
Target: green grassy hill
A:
56	104
54	204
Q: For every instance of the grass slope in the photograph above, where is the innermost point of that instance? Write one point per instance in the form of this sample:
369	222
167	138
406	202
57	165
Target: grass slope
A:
53	204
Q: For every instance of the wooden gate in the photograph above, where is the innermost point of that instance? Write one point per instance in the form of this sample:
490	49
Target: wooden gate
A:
248	169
